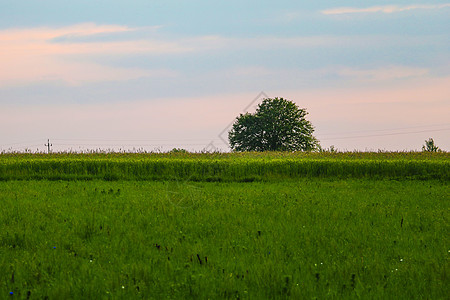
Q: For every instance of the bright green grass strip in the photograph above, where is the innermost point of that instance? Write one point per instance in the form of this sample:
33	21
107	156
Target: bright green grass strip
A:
304	239
223	167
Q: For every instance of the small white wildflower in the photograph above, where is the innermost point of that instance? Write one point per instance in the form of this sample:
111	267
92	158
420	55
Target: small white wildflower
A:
123	287
401	259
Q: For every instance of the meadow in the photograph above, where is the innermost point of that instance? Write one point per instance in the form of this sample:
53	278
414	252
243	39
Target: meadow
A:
232	167
199	226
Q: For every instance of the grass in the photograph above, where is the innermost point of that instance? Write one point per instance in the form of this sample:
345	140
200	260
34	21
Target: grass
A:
301	237
229	167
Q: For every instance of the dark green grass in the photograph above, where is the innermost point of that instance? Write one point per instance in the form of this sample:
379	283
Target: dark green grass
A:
305	238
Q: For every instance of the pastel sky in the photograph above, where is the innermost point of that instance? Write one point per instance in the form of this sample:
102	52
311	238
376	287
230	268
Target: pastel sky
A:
171	73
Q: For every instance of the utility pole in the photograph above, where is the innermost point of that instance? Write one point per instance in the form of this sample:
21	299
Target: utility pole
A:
48	145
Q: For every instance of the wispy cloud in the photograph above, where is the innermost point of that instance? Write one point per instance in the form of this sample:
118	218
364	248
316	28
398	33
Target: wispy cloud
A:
42	41
32	54
47	33
385	73
381	74
69	54
388	9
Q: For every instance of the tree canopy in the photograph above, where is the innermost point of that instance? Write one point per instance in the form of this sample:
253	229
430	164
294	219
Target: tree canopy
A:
277	125
430	146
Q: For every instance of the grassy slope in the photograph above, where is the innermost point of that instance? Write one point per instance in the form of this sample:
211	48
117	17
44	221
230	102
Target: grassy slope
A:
301	238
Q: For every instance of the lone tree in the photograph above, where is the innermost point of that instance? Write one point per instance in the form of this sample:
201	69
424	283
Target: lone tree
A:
277	125
430	146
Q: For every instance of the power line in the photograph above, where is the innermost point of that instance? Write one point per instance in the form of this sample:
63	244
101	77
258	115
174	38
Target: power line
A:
137	141
144	143
128	145
19	143
391	129
386	134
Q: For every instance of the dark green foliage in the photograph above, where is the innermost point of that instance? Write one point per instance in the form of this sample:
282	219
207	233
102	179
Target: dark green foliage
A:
430	146
277	125
178	150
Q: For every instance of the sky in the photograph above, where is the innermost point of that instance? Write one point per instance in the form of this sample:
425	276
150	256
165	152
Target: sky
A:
158	75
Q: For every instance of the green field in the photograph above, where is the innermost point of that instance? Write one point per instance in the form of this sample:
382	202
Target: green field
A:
231	167
272	225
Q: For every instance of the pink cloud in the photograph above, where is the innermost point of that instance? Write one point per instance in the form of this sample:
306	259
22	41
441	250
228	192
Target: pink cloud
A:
31	55
48	33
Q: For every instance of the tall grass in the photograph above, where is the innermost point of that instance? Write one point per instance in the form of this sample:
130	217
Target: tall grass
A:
303	239
223	167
